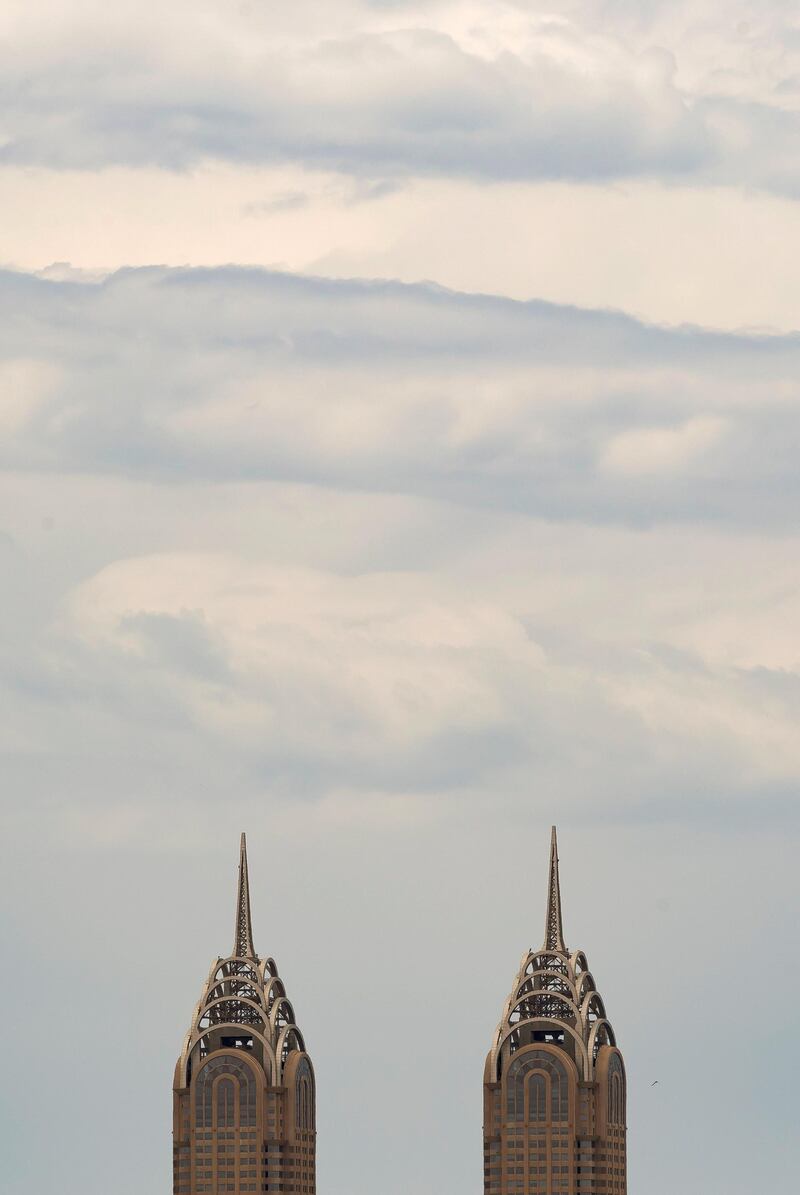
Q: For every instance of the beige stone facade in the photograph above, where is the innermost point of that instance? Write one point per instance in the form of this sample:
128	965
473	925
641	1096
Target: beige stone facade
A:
554	1082
244	1093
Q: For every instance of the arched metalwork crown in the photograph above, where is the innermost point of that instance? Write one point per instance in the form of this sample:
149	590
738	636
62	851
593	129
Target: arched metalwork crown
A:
553	998
244	1003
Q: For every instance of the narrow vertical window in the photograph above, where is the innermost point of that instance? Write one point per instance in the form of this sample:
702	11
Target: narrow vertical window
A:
537	1097
225	1104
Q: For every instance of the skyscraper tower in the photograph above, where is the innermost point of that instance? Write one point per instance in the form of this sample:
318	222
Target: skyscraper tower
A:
554	1083
243	1095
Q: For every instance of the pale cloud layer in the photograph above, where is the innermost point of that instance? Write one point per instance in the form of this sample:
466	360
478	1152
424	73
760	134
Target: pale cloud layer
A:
394	576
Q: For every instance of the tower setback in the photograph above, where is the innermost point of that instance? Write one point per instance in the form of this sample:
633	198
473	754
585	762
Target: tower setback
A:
244	1093
554	1082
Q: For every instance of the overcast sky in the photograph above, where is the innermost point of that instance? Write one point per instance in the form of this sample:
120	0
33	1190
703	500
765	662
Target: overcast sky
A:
399	429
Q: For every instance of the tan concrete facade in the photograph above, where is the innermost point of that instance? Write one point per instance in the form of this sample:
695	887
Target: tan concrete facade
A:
554	1081
244	1094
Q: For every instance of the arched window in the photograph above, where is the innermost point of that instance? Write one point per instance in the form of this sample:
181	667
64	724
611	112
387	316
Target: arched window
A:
616	1091
215	1102
537	1088
304	1096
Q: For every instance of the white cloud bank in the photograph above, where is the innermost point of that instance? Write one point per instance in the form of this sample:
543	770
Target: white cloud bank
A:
497	93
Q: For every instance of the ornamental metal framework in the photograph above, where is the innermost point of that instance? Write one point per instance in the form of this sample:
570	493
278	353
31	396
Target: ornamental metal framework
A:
554	1082
244	1091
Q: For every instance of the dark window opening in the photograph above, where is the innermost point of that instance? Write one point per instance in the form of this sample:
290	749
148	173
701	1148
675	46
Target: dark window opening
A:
237	1043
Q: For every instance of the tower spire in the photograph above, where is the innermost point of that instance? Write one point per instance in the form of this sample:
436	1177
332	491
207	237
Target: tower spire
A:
553	928
243	942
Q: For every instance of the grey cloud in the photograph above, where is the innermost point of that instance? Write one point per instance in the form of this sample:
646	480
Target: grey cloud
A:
235	374
396	104
181	643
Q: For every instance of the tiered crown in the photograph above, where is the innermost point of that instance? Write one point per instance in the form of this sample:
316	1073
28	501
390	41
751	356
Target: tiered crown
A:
553	998
244	1003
